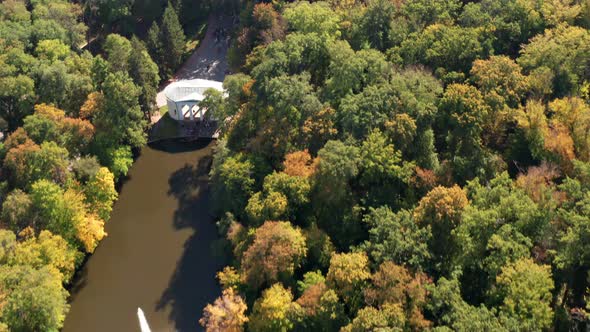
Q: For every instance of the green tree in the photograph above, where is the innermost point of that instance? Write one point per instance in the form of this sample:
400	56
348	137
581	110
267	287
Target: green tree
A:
85	168
154	45
41	128
294	188
119	160
332	198
173	39
524	291
39	293
338	164
396	237
383	173
449	50
376	24
144	72
16	210
513	23
422	13
565	50
17	94
52	50
52	210
111	12
450	310
465	114
312	18
232	183
271	206
118	51
121	121
504	247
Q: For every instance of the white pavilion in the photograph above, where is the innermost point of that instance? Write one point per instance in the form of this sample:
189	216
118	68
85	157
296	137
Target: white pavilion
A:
183	98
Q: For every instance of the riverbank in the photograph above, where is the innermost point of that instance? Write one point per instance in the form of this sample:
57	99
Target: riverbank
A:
159	254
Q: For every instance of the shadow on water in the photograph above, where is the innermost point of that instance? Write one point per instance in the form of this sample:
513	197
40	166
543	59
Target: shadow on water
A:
175	145
190	289
159	254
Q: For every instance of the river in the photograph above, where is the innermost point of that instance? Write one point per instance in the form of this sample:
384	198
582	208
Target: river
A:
159	254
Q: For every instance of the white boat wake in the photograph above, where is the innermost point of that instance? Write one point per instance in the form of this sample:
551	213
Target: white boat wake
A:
143	324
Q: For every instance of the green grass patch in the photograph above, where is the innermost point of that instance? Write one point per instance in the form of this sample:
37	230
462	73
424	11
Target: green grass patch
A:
194	37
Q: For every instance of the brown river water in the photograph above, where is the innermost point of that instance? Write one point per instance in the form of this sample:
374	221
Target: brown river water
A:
159	254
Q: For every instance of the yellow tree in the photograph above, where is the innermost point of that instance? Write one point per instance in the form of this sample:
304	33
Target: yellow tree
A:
574	114
46	249
347	275
88	227
226	314
273	311
100	193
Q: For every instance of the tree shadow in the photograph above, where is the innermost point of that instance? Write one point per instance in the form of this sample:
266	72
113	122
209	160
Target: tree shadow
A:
175	145
193	283
79	280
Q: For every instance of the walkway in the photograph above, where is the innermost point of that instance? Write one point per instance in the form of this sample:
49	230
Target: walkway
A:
208	62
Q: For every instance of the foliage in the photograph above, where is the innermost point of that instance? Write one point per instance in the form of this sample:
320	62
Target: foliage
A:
16	210
283	248
396	237
320	310
273	311
312	18
395	285
37	292
564	50
347	275
71	119
426	148
524	289
226	314
45	250
173	39
100	193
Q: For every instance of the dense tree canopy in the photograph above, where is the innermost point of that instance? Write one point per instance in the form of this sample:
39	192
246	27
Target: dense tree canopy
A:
383	165
434	155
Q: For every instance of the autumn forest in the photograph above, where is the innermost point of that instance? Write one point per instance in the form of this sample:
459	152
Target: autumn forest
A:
381	165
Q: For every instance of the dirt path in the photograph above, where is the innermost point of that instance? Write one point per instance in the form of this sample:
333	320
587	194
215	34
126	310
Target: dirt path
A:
208	61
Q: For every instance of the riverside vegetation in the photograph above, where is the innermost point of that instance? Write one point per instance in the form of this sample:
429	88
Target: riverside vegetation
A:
72	120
